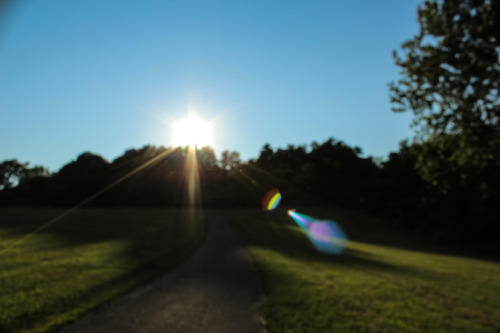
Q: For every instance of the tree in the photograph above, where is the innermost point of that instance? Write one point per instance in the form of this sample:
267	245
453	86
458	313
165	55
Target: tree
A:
266	155
229	159
206	158
36	172
450	80
11	173
451	70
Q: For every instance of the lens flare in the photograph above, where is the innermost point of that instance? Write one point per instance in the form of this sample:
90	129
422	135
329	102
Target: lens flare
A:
326	236
88	199
302	220
271	200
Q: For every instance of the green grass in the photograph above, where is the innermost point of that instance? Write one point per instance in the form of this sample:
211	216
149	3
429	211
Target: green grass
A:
385	281
84	259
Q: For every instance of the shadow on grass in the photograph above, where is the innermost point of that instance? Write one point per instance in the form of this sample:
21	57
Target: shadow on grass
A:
266	231
87	226
218	282
151	242
367	229
277	231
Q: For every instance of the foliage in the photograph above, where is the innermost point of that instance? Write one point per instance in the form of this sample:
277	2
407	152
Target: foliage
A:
401	188
10	172
13	173
330	173
451	72
450	80
229	159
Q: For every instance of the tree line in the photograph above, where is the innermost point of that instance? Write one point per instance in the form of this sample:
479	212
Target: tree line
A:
328	173
444	183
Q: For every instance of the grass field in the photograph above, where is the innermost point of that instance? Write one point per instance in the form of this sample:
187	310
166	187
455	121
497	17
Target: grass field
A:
84	259
385	281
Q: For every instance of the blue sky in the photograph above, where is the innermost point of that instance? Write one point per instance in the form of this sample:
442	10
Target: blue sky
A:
106	76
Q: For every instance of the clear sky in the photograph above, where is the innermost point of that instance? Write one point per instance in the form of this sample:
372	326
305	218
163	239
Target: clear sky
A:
106	76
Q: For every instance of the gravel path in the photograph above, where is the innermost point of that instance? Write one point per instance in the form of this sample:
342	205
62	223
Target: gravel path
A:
216	290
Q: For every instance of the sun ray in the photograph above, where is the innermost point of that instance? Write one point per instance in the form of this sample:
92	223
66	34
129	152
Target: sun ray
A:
88	199
192	178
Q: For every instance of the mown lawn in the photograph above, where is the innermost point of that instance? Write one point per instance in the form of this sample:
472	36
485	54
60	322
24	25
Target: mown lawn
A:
84	259
385	281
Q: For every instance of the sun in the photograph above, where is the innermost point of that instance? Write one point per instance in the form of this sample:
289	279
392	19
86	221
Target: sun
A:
192	132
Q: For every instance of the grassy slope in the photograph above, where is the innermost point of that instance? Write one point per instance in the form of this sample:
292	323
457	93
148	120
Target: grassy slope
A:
402	286
83	260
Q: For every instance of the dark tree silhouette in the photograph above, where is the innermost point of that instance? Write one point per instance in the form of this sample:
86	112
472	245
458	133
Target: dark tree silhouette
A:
11	172
229	159
450	70
450	80
328	173
78	179
331	172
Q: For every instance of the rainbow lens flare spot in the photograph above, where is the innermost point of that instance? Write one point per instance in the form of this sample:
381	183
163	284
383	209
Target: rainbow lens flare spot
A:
302	220
271	200
326	236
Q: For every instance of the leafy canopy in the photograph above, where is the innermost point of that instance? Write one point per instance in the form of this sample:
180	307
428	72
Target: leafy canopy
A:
450	80
451	70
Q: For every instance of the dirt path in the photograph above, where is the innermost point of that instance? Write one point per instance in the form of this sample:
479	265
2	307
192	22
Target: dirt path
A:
216	290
